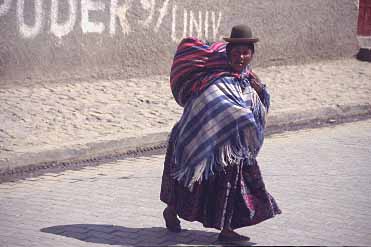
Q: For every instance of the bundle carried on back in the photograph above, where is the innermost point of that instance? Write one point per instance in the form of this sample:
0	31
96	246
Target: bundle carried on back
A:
196	65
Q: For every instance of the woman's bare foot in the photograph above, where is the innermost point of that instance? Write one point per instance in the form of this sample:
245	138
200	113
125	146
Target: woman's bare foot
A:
227	235
171	220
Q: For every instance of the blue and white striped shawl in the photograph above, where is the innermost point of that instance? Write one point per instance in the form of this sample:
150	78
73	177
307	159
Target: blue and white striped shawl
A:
221	126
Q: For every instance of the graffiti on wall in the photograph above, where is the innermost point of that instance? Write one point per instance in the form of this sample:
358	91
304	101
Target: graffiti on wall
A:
80	14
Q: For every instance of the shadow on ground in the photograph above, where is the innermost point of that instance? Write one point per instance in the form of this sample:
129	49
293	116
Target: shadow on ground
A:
120	235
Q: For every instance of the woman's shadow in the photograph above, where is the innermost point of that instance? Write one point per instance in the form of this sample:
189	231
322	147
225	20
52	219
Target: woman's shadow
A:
120	235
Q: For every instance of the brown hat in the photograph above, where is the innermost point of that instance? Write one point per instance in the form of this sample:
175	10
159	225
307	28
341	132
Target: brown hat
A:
241	34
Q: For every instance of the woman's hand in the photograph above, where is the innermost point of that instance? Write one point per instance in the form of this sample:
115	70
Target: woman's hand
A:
256	83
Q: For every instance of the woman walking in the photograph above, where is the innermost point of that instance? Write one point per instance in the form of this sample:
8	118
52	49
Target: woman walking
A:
211	174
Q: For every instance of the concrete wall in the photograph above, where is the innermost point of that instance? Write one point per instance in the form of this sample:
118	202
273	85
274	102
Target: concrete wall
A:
54	39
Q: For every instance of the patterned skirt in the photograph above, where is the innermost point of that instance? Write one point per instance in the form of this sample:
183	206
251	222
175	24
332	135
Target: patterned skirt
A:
230	199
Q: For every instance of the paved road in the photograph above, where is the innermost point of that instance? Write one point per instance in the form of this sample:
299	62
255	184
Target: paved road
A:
321	179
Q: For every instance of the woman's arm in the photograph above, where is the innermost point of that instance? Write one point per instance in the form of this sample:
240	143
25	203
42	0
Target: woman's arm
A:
261	89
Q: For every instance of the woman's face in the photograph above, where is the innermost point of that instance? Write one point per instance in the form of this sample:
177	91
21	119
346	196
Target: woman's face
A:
240	56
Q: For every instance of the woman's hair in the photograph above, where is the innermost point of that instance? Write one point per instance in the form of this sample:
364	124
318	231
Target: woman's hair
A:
231	45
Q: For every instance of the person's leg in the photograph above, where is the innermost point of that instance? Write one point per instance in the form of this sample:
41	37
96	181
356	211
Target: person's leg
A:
171	219
233	194
168	190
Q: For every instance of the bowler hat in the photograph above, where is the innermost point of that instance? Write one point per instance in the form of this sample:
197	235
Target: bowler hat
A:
241	34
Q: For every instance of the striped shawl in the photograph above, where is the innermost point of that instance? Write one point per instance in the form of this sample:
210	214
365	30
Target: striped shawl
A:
222	123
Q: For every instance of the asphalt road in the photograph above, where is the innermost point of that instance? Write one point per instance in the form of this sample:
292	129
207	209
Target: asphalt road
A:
321	179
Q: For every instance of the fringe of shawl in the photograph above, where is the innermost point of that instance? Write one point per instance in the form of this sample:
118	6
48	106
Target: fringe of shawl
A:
228	154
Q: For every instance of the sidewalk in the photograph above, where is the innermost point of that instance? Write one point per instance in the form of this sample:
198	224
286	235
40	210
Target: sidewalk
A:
46	122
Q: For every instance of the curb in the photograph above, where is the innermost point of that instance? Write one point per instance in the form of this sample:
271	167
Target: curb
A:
316	117
78	156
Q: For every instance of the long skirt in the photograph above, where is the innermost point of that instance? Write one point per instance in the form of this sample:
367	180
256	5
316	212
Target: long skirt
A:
230	199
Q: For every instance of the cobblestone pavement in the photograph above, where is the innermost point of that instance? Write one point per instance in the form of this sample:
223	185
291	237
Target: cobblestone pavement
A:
321	179
41	116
